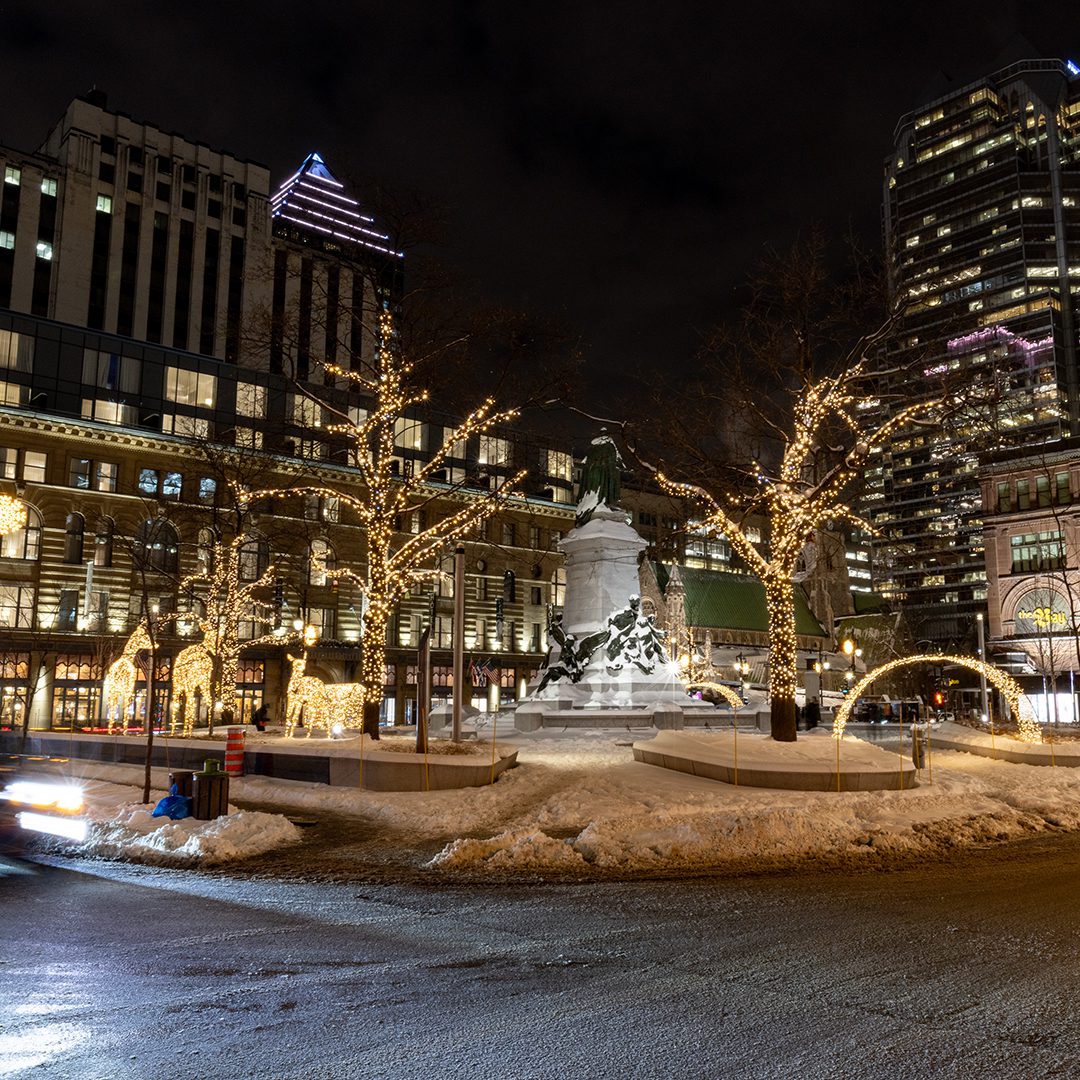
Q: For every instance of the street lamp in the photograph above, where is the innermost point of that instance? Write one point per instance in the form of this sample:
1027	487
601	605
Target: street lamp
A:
851	651
742	667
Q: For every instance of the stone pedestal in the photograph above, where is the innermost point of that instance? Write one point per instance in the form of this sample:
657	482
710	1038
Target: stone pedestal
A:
601	569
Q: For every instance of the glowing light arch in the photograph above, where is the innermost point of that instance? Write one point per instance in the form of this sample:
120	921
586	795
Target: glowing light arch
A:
1010	689
725	692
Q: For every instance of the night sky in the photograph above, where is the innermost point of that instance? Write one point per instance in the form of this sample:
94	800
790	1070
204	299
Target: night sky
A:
616	166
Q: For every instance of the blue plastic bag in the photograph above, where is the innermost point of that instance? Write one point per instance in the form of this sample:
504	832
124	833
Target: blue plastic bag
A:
173	806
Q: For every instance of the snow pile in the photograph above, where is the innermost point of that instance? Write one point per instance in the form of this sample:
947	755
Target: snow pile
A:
625	818
131	833
119	828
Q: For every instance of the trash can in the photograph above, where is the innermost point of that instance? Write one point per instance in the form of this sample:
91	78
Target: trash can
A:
182	779
210	792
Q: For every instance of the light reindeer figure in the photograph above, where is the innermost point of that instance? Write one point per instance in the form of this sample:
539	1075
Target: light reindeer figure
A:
322	704
192	674
119	687
305	695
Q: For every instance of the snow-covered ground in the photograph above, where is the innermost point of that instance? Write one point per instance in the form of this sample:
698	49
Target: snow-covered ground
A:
579	802
119	827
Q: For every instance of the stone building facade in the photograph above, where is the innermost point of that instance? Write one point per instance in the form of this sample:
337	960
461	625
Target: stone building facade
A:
163	318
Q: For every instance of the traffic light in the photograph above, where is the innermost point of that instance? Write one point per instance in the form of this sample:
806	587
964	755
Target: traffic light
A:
939	698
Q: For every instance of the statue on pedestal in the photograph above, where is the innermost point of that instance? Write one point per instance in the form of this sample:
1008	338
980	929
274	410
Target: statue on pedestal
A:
601	481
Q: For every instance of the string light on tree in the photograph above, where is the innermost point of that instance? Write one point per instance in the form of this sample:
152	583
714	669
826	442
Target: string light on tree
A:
396	566
227	596
825	452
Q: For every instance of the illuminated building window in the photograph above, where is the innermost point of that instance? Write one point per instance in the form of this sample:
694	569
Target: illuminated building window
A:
190	387
408	434
560	465
250	400
1035	552
23	543
494	451
321	562
92	475
16	607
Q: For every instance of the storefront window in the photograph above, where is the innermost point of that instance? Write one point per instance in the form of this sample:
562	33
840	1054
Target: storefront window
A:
76	692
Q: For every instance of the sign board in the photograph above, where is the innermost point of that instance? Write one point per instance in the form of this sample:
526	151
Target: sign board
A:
1042	611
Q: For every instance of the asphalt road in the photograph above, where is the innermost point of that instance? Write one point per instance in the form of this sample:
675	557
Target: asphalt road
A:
968	969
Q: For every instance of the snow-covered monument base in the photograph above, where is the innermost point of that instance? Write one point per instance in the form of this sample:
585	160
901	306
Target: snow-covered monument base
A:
607	663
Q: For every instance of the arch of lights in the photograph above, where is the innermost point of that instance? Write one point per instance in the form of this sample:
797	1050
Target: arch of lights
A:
725	692
1010	689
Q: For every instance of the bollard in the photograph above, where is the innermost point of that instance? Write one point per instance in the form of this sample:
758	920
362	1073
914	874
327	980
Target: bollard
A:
234	752
210	792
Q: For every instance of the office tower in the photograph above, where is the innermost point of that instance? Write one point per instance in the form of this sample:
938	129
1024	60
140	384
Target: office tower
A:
982	244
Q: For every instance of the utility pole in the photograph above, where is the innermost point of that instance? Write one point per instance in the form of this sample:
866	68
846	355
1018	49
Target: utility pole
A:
423	689
982	657
459	640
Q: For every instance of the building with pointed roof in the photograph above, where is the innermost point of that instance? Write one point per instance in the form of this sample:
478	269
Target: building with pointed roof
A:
313	204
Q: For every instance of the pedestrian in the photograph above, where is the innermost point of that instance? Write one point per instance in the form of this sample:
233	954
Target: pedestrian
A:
260	716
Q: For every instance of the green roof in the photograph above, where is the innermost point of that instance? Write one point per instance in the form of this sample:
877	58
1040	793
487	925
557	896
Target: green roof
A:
733	602
868	603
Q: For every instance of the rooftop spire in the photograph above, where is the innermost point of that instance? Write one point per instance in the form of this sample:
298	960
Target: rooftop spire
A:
313	199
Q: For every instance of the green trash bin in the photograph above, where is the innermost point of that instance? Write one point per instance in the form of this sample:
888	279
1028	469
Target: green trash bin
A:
210	792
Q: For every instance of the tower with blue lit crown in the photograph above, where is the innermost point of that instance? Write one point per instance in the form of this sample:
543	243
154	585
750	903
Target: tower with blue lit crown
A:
313	201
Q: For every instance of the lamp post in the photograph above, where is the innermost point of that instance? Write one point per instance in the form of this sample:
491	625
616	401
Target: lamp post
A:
459	642
821	665
851	650
742	666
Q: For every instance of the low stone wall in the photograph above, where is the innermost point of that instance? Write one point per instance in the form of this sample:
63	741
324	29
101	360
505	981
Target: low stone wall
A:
789	778
949	736
407	772
382	771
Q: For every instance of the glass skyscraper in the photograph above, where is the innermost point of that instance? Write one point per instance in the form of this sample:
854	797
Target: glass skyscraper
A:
982	245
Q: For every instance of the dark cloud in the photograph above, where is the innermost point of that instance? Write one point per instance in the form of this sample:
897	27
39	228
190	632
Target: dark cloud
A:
617	165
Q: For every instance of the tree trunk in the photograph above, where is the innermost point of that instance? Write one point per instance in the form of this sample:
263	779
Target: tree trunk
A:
783	657
373	669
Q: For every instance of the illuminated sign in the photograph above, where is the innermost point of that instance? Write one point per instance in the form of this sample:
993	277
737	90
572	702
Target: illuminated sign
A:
1042	611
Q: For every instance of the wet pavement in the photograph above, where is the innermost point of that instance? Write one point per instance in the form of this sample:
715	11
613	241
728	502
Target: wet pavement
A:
963	969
